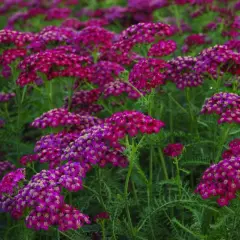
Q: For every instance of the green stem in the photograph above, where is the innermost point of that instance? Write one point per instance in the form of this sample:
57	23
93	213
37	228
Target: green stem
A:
100	188
163	164
177	16
135	193
171	119
130	169
222	141
179	183
70	93
149	189
57	234
176	102
65	235
191	116
103	230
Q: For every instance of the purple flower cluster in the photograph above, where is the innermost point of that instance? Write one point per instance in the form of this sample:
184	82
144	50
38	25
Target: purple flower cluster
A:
24	160
195	40
221	179
99	144
104	72
92	39
94	146
233	45
148	73
162	48
5	97
118	87
83	98
218	58
120	52
6	166
224	104
173	150
7	57
10	181
19	39
133	122
57	13
234	149
145	33
181	72
42	195
52	34
53	63
62	117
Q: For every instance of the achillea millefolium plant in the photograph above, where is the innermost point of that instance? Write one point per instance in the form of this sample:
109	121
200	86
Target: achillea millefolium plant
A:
120	120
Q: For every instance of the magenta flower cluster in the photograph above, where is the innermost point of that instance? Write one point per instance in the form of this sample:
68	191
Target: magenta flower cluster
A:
148	73
42	195
224	104
221	179
181	72
5	97
62	117
53	63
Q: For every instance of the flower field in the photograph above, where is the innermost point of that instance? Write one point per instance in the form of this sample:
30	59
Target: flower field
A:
119	119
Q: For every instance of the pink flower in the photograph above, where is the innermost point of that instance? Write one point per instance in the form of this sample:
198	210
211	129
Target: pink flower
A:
11	180
173	150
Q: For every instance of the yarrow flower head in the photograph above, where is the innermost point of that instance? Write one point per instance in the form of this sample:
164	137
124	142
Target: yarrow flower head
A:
50	147
146	33
24	160
92	39
9	56
133	122
10	181
5	97
62	117
83	98
195	40
58	13
118	87
224	104
6	166
181	72
173	150
19	39
54	34
42	195
221	179
104	72
234	149
53	63
120	52
95	146
216	60
162	48
148	73
101	216
233	44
